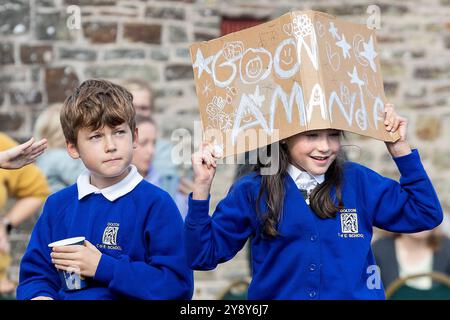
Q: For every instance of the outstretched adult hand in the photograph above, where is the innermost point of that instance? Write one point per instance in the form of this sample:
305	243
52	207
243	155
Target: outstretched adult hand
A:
23	154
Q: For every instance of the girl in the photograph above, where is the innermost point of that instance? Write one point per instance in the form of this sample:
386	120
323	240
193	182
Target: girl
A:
316	251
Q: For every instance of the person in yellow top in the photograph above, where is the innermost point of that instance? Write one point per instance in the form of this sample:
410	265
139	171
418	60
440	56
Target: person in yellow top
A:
28	185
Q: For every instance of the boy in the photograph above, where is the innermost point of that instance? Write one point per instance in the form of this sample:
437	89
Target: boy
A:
133	230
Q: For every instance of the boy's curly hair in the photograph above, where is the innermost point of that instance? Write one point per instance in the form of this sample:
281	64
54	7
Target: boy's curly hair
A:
94	104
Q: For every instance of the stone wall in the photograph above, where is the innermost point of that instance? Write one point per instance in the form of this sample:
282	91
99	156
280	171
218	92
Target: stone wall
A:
42	57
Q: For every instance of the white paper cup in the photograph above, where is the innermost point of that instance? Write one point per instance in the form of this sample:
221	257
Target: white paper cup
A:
71	280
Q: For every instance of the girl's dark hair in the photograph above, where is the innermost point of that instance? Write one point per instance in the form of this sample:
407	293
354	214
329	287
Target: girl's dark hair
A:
272	190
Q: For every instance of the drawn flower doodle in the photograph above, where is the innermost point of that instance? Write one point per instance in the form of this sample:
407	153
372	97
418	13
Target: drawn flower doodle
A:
233	50
219	118
302	26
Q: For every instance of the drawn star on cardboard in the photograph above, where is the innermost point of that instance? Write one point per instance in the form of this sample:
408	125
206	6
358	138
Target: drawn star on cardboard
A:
201	63
369	53
355	78
333	31
343	44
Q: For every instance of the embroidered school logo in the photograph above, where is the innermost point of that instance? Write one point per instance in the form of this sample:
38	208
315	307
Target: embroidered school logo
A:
349	223
110	234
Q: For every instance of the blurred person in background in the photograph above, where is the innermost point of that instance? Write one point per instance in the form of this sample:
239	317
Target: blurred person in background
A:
402	255
60	169
169	178
29	187
144	154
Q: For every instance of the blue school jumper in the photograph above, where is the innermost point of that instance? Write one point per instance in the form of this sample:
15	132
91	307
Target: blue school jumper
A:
135	225
314	258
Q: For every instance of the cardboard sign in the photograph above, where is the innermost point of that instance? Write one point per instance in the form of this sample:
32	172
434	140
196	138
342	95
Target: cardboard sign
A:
305	70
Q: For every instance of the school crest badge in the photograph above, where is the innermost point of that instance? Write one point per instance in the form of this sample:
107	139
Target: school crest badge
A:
110	234
349	222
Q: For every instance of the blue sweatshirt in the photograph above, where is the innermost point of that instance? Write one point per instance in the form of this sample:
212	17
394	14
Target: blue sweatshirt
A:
142	256
314	258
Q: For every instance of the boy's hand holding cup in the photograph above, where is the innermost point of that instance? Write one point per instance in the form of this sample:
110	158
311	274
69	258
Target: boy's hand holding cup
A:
75	258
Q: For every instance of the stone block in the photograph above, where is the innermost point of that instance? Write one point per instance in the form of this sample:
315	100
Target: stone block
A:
91	2
442	89
415	91
77	54
207	24
25	97
45	3
342	10
36	54
203	36
53	26
392	69
168	92
165	13
6	53
60	83
390	88
12	74
14	17
148	73
177	34
428	127
139	32
178	72
100	32
432	72
160	54
124	54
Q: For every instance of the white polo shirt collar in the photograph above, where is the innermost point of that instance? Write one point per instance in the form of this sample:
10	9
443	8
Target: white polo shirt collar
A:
113	192
304	179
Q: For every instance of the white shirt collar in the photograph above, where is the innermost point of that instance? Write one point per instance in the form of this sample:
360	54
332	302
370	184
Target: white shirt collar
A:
113	192
302	178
